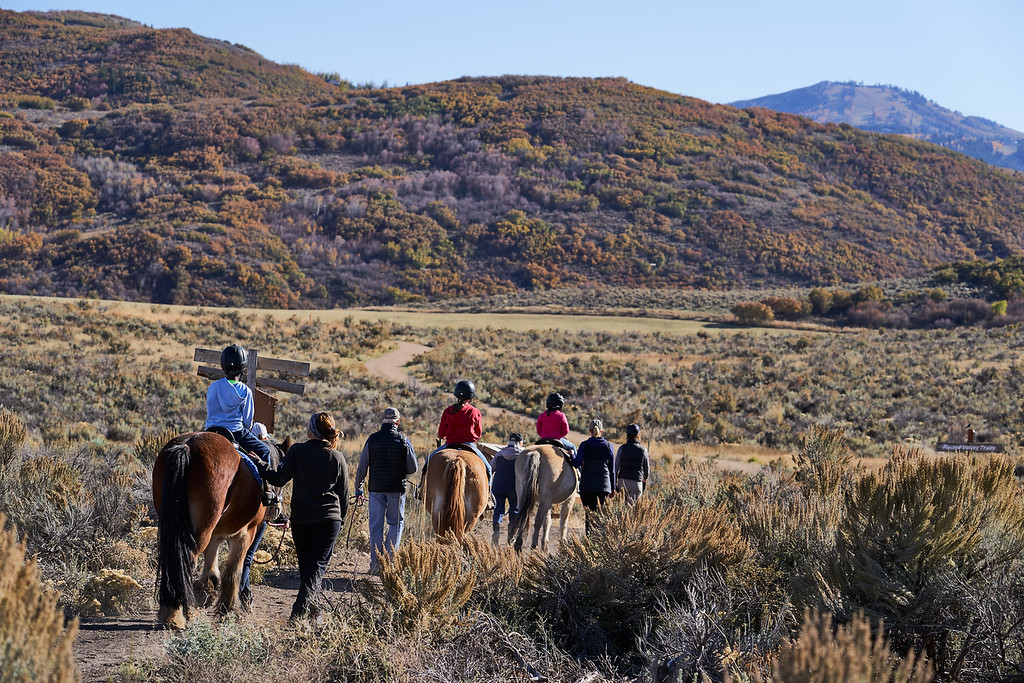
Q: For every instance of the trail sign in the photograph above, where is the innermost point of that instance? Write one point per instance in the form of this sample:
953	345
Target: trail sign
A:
265	403
968	446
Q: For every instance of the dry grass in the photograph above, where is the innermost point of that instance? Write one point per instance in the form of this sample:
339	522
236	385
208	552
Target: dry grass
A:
827	653
519	322
35	643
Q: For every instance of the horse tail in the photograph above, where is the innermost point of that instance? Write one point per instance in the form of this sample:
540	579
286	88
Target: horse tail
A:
527	490
176	538
453	516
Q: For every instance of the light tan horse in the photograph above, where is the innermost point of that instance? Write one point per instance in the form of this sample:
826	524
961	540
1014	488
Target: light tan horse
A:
204	495
543	477
455	491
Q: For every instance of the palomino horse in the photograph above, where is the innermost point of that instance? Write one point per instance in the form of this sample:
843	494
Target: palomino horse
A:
455	491
204	494
543	477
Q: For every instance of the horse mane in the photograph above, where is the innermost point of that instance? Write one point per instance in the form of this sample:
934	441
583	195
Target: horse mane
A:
176	537
453	515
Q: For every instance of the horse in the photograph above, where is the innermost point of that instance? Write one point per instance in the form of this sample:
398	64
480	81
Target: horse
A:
544	476
456	491
204	494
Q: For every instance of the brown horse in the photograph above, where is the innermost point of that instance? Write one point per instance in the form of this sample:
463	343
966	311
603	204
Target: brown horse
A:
543	477
204	494
455	491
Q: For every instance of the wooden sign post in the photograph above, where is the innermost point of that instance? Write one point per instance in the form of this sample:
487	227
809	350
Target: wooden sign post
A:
265	403
969	446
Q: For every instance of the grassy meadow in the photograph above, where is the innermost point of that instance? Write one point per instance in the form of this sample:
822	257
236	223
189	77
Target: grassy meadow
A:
712	576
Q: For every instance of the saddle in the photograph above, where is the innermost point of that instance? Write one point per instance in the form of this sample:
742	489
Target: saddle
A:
271	494
566	453
460	447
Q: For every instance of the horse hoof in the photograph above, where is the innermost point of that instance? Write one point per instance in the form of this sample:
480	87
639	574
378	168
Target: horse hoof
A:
173	619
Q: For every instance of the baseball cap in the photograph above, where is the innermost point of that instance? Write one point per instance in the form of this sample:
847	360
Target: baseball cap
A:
515	437
632	430
391	415
260	429
596	423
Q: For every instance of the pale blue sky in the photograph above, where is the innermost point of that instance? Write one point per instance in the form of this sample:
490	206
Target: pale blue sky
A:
966	55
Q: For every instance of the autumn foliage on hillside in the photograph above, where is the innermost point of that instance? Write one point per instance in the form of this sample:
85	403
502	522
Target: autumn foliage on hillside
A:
157	165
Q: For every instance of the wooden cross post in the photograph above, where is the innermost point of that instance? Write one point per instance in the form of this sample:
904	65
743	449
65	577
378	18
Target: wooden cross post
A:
265	403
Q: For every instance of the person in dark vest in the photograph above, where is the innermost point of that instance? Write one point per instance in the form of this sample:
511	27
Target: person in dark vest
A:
632	464
390	459
503	484
319	477
596	463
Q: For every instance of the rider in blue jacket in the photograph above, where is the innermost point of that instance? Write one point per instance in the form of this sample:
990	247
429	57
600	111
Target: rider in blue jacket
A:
229	403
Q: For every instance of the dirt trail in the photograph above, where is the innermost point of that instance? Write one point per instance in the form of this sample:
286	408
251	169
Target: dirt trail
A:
391	366
106	643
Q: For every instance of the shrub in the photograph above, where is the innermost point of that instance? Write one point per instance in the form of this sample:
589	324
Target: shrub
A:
207	652
111	592
914	535
837	654
822	462
751	313
786	308
12	437
601	593
148	447
423	586
499	573
35	644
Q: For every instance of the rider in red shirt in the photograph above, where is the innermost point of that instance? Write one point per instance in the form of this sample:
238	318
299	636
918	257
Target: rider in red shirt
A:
461	423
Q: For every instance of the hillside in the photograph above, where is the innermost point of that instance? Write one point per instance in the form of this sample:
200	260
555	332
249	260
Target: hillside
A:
241	182
887	109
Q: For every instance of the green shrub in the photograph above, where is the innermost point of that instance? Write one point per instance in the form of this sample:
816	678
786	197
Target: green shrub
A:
204	651
35	102
602	592
823	461
915	537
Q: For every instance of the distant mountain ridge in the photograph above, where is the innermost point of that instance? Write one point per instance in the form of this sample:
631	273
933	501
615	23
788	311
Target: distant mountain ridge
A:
164	166
888	109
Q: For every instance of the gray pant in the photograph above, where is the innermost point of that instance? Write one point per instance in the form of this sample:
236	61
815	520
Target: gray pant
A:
632	488
389	507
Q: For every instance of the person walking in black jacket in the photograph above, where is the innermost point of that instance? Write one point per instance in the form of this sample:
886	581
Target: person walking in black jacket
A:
597	469
632	464
390	459
319	479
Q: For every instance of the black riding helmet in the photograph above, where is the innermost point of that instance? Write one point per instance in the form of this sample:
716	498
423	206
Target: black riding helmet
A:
233	361
464	389
555	401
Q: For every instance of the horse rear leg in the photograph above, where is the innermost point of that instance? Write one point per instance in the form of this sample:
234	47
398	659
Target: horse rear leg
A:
238	544
542	525
209	581
563	517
